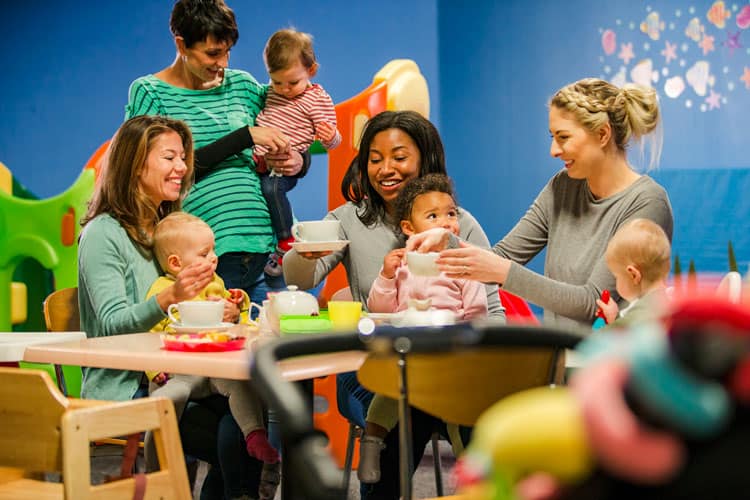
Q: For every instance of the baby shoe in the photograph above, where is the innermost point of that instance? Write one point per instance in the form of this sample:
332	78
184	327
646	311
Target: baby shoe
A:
273	266
369	459
270	477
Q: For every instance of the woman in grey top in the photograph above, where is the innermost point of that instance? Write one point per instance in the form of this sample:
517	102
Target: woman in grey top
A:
396	146
591	123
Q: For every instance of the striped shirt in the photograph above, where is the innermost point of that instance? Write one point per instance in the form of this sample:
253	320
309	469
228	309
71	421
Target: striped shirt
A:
229	199
299	117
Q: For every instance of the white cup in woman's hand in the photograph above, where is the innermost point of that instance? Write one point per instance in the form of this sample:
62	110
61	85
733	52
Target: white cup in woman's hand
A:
422	264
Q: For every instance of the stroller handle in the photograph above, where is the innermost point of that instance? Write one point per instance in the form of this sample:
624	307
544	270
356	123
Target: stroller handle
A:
316	474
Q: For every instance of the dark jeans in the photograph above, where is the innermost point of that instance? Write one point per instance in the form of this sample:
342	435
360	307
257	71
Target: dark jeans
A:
209	432
275	190
353	399
245	270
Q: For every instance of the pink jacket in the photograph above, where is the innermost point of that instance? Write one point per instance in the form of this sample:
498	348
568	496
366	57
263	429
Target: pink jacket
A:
466	298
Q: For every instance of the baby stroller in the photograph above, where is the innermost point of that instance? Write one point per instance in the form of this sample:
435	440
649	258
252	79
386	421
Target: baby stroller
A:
309	470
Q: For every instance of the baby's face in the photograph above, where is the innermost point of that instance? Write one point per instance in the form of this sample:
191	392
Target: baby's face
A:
290	82
434	209
198	246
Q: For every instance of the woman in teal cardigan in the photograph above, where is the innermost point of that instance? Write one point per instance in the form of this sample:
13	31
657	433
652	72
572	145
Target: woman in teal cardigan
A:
145	176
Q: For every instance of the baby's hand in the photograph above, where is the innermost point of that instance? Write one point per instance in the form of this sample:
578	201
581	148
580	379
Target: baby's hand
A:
235	296
231	312
160	378
325	132
392	261
609	309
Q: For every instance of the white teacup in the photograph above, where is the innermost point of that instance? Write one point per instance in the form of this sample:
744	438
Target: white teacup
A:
198	313
316	230
422	264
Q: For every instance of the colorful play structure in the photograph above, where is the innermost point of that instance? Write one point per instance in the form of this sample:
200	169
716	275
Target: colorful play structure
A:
46	231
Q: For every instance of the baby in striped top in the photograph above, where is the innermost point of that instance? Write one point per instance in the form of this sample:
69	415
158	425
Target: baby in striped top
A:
300	109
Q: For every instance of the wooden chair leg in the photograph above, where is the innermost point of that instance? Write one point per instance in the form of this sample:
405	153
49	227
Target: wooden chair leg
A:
61	380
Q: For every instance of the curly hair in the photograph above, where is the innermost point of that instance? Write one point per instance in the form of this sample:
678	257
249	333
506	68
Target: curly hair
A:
430	183
356	187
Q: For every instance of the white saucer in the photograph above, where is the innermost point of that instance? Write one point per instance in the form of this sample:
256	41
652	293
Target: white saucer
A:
320	246
386	318
178	328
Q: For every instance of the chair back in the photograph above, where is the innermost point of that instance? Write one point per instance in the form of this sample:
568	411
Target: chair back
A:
458	386
61	311
517	310
31	409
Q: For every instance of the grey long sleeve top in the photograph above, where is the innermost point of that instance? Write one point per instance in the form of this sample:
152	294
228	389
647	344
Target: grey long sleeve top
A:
575	227
363	257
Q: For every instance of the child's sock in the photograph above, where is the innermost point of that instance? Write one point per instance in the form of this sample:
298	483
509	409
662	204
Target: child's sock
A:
369	459
283	246
258	446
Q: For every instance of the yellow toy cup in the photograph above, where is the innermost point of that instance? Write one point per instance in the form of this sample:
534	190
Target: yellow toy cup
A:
344	314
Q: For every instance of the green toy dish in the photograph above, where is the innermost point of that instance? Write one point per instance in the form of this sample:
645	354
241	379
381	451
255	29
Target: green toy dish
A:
296	325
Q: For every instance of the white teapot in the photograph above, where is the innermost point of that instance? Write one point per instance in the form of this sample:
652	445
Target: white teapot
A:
290	301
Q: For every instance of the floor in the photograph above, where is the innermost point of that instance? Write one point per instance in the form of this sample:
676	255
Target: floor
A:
106	462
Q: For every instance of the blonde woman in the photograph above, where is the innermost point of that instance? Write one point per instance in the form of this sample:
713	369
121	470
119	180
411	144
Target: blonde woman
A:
592	123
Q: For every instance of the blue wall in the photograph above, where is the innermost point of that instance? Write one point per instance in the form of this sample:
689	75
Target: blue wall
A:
491	67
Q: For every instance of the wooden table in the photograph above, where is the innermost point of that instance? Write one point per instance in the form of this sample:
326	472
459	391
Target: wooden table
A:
144	351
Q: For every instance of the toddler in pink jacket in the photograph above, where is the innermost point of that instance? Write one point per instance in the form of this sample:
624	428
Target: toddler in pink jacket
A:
424	203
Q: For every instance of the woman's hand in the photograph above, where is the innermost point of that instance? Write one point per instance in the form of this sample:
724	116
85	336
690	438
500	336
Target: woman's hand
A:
187	285
271	138
314	255
288	163
432	240
473	263
391	262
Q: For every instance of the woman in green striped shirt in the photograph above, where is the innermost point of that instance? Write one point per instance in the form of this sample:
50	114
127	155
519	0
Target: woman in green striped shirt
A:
220	105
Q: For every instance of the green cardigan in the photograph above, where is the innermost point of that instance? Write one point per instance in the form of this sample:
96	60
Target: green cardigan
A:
113	279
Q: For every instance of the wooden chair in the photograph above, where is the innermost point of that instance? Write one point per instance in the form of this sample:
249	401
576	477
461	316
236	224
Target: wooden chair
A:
457	386
61	311
42	431
61	315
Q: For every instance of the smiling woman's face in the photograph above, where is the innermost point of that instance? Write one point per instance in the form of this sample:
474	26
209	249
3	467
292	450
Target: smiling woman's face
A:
394	159
161	178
